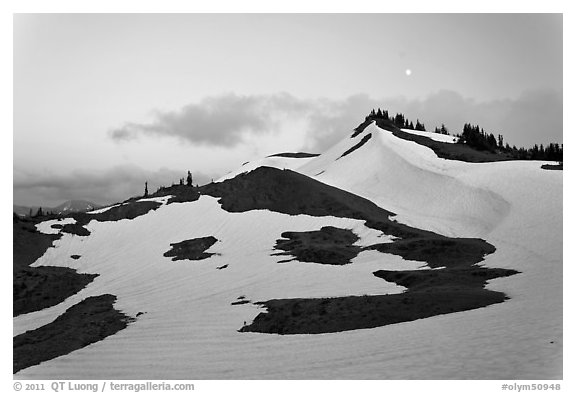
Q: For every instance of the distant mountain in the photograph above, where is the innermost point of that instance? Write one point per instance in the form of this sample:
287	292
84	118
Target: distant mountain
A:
75	206
71	206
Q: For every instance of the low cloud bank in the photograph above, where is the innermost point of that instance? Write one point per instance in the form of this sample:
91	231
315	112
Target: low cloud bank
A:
113	185
533	117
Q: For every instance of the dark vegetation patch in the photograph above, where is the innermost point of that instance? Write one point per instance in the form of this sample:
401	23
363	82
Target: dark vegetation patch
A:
289	192
462	278
358	130
222	267
430	293
75	229
450	151
87	322
131	208
128	210
192	249
57	226
365	139
75	256
329	245
330	315
36	288
180	193
295	155
438	251
553	167
238	302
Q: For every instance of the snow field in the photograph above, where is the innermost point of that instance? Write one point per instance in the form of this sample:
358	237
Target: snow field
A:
189	329
188	302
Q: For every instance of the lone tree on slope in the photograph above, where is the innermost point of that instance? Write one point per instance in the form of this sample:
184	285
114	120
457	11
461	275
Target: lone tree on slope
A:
145	189
189	179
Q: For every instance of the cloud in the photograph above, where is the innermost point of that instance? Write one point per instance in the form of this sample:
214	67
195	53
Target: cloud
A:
227	120
113	185
219	121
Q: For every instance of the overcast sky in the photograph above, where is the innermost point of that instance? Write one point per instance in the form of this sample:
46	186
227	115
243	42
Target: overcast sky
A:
104	102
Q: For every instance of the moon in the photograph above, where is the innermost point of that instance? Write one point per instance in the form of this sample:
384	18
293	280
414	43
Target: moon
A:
408	72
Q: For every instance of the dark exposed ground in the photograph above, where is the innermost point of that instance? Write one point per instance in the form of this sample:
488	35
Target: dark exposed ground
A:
132	208
553	167
358	130
181	193
329	245
461	278
364	139
75	229
192	249
288	192
87	322
430	293
438	251
330	315
129	210
450	151
35	288
295	155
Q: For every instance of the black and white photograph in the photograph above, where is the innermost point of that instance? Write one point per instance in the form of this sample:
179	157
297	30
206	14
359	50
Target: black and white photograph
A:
287	196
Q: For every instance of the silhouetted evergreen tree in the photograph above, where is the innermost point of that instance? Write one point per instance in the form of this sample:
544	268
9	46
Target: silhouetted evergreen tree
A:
189	178
442	130
145	189
419	126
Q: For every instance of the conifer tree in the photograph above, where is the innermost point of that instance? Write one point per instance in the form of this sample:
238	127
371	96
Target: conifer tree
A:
189	179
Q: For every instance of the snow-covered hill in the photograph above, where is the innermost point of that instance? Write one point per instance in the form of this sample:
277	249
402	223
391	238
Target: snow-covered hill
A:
187	326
